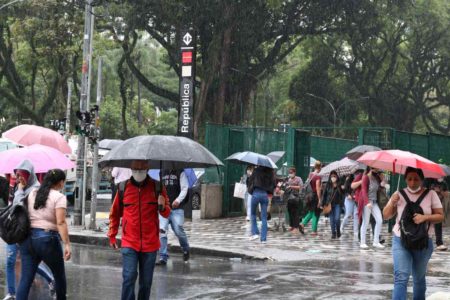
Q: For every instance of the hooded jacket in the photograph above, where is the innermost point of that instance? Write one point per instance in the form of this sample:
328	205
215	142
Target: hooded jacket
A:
32	182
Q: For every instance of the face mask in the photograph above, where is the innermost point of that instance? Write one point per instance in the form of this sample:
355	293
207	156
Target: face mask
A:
333	179
413	191
249	173
292	175
139	175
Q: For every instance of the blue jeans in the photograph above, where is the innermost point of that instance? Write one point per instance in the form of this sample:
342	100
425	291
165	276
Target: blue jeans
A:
11	254
351	210
335	218
176	221
130	261
42	246
407	262
259	196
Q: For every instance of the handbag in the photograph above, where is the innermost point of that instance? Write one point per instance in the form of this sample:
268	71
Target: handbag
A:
239	190
327	209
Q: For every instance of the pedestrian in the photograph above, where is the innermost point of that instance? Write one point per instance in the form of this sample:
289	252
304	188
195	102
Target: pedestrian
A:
437	187
261	184
406	260
334	194
138	210
351	210
371	182
312	202
248	197
293	186
118	175
177	185
47	213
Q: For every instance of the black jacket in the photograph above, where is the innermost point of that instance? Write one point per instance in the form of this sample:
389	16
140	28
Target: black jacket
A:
263	178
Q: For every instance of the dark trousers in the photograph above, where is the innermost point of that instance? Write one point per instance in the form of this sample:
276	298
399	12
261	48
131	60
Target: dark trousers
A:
438	232
41	246
293	207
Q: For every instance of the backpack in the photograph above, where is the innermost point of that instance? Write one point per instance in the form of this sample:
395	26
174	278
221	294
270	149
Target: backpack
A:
413	236
122	186
306	192
15	222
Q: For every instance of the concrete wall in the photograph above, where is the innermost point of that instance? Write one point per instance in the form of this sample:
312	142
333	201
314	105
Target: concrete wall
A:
211	204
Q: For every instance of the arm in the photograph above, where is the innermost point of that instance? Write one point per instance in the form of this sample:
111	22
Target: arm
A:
356	184
437	216
114	219
299	186
365	190
319	192
164	198
390	210
63	231
184	186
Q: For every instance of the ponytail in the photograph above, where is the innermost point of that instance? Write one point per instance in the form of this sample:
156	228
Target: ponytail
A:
51	178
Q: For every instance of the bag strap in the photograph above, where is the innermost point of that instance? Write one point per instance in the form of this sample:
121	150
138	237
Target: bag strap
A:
419	200
123	185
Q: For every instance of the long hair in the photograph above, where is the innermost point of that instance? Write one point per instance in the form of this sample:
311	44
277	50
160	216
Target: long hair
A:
51	178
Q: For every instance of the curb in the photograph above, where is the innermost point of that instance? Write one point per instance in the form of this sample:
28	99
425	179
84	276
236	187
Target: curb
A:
104	242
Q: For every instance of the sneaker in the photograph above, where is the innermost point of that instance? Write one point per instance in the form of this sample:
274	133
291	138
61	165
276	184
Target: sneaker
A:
186	256
51	287
378	246
161	262
364	246
441	248
253	237
333	236
314	233
9	297
263	242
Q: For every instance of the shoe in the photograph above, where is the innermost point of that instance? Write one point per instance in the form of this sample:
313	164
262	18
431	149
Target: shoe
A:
9	297
333	236
247	219
364	246
295	231
264	242
291	228
51	287
301	229
313	233
441	248
161	262
338	234
382	241
253	237
378	246
186	256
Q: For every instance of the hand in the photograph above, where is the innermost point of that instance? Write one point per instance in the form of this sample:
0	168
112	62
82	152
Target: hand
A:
418	218
175	204
369	205
161	200
395	197
114	246
21	185
67	252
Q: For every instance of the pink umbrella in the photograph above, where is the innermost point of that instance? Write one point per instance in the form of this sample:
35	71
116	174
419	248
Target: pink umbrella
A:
397	161
28	135
42	157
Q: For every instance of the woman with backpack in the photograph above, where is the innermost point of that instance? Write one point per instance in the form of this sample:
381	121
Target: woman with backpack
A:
416	209
47	213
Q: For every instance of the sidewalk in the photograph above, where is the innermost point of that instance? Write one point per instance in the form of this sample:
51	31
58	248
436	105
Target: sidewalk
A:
228	237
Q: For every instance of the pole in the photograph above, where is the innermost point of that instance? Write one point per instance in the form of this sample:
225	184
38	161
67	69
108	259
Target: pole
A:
68	109
92	224
81	153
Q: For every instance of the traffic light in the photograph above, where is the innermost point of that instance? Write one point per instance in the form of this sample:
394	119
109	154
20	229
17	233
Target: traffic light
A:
83	116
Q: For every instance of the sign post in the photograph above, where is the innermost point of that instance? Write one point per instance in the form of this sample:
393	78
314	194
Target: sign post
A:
187	84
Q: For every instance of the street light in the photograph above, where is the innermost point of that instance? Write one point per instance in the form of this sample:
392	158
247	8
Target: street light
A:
9	3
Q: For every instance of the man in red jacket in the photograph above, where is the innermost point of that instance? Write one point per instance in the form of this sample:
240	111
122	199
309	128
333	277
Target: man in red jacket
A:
140	229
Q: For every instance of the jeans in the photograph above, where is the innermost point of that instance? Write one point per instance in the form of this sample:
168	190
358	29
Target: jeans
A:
375	211
438	232
259	196
407	262
40	246
351	210
292	207
11	255
130	261
176	221
335	219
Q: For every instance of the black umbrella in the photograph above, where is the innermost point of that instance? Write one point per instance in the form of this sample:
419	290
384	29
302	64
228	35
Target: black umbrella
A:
358	151
160	152
109	144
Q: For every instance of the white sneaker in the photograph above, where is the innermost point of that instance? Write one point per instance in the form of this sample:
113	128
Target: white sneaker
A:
441	248
264	242
364	246
9	297
253	237
378	246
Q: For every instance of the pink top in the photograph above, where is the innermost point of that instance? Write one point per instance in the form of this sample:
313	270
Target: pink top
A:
45	218
430	201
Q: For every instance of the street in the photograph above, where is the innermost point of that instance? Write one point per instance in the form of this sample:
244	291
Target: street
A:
95	273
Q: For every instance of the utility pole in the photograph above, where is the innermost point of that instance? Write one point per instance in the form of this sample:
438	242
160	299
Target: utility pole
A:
96	136
68	109
81	153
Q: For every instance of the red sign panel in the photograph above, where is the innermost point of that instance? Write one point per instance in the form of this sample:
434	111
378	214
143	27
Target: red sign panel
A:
186	57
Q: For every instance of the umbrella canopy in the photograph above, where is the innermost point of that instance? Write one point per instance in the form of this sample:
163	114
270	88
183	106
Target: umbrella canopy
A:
109	144
190	174
42	157
358	151
6	144
28	135
397	161
160	151
446	169
276	155
343	167
252	158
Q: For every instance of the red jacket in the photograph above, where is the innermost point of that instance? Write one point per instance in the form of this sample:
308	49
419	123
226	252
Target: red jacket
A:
139	213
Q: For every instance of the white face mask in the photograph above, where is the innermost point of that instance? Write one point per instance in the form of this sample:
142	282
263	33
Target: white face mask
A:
139	175
249	173
413	191
333	179
292	175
